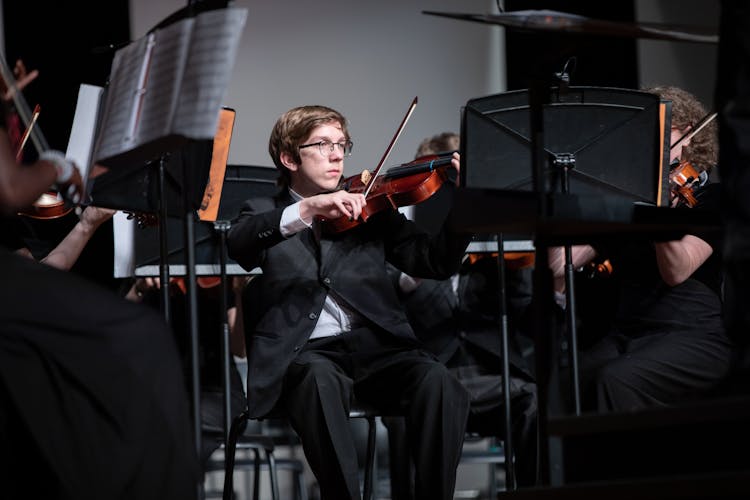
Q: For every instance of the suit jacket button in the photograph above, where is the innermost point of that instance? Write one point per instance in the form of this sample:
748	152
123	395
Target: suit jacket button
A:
327	281
312	316
297	348
462	335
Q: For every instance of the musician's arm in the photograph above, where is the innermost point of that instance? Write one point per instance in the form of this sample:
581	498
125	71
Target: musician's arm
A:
581	254
679	259
66	253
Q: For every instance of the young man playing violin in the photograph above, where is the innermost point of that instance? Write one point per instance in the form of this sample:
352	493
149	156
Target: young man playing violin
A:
324	323
667	341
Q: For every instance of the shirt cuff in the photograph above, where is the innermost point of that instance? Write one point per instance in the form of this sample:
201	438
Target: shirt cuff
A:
291	223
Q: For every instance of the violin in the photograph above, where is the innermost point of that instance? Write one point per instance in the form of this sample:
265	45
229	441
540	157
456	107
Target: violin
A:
683	178
50	205
513	260
364	184
205	282
404	185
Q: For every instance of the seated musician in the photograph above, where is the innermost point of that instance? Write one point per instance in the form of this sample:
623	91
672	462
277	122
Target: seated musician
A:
90	403
327	324
458	320
667	341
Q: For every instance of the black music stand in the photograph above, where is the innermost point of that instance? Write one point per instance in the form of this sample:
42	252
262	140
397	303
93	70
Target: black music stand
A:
580	141
590	134
164	92
240	183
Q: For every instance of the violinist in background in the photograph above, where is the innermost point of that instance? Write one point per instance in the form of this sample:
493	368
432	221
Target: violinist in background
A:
48	233
667	342
88	405
326	324
458	319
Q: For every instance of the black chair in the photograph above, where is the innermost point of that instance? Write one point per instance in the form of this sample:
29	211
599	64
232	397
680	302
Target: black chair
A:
493	456
357	411
361	411
261	445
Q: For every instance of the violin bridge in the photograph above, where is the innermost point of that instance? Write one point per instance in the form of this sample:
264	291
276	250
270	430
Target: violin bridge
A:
365	177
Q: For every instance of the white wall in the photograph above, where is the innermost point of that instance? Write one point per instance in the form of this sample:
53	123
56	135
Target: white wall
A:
366	59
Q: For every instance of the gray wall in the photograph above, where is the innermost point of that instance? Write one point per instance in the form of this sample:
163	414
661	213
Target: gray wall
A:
691	66
366	59
370	59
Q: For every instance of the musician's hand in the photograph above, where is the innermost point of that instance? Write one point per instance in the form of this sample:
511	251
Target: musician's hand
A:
93	217
23	78
72	189
456	162
97	170
333	205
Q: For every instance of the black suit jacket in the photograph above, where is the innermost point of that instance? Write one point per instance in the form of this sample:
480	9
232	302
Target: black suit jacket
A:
298	272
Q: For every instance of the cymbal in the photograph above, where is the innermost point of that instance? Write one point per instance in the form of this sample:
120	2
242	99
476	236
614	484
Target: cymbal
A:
550	20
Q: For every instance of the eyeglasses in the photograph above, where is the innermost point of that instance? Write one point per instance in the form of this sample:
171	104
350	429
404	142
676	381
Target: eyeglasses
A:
327	147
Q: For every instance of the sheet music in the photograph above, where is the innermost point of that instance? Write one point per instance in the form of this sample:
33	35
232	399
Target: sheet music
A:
83	131
124	242
175	86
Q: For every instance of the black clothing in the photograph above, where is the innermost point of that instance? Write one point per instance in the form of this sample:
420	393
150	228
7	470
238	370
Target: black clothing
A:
210	353
313	381
462	329
732	101
667	343
11	229
91	392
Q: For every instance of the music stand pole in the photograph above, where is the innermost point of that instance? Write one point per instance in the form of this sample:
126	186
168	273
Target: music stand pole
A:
510	473
163	242
192	298
542	281
222	227
565	164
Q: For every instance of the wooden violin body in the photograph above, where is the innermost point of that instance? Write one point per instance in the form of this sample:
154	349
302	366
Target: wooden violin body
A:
49	206
401	186
682	179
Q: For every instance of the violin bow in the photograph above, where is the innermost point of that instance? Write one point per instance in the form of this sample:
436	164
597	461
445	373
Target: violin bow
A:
22	108
27	132
698	127
387	152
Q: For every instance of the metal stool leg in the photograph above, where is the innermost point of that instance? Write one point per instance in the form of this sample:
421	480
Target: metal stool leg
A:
229	452
256	477
257	442
370	461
